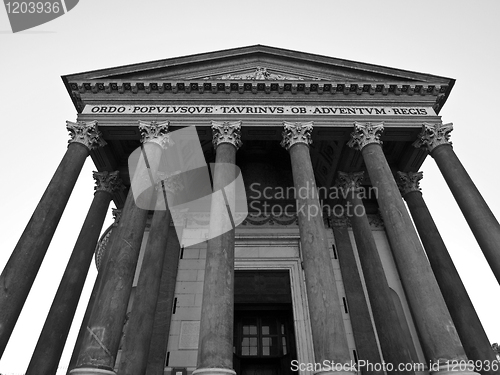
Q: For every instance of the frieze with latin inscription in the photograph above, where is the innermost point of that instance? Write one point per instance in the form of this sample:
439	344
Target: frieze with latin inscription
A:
257	110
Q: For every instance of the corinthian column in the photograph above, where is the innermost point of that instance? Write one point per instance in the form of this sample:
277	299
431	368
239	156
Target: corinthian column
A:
104	329
24	263
437	333
435	138
101	256
215	350
163	314
50	345
469	327
362	326
394	344
137	338
327	323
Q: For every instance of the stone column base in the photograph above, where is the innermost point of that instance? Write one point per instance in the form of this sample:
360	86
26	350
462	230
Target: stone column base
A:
455	368
214	371
91	371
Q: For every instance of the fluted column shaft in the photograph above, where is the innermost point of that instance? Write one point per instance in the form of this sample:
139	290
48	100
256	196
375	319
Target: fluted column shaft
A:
484	225
362	326
50	345
23	265
327	324
436	330
395	347
215	349
469	327
136	342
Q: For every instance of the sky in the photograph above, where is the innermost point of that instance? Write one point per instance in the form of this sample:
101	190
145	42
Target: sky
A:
456	39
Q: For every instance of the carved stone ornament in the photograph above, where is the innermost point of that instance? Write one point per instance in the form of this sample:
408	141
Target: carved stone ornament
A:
227	132
349	181
261	73
101	247
271	219
365	134
376	221
117	215
102	244
496	349
85	133
433	135
172	183
408	182
155	132
339	221
108	181
296	132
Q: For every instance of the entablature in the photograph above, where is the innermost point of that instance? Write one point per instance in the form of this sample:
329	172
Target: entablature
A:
418	93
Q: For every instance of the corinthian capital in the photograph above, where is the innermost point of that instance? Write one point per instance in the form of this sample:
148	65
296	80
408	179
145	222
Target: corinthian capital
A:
154	132
365	134
296	132
85	133
349	181
433	135
226	132
408	182
107	181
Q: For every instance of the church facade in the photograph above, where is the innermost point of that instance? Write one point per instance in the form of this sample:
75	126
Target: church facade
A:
299	254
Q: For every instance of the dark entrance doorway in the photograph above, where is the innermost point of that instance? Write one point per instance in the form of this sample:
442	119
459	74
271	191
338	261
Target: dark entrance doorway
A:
264	340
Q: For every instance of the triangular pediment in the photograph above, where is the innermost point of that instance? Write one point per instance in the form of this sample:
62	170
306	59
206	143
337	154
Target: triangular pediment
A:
257	63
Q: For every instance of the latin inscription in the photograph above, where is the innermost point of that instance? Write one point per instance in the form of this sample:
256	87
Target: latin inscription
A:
257	110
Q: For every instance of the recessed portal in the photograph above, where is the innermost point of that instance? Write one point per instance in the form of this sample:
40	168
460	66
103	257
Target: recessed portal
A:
264	338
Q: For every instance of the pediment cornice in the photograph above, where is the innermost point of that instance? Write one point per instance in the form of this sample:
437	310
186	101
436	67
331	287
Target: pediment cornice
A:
248	86
257	69
227	61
